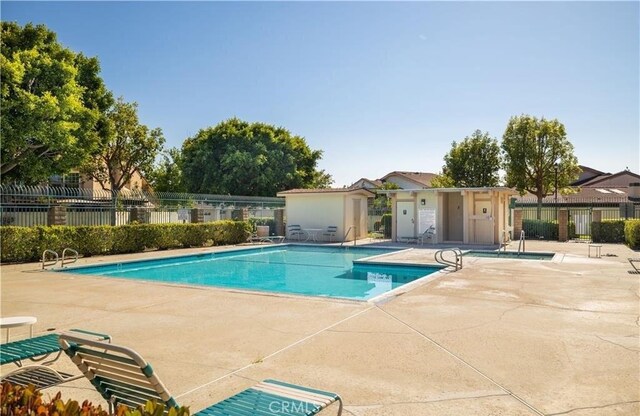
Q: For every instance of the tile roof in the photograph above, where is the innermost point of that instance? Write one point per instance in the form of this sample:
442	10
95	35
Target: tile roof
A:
422	178
324	191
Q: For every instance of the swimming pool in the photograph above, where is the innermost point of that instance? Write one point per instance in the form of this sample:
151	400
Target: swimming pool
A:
528	255
302	270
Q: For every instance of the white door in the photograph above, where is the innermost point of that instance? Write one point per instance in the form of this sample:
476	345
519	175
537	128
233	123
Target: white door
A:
483	222
405	219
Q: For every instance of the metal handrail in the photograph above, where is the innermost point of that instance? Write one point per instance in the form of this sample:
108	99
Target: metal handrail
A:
75	254
506	240
44	260
439	257
355	235
521	243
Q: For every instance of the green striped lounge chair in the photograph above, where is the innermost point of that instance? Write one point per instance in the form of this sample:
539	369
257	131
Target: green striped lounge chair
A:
39	350
122	376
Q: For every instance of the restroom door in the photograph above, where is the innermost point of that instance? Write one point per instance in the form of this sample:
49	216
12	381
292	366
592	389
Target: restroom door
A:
405	219
483	219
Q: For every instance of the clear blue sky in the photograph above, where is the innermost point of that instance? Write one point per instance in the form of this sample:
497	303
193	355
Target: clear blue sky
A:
377	86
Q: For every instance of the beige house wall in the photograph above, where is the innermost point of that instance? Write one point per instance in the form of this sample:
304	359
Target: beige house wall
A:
321	210
136	182
315	210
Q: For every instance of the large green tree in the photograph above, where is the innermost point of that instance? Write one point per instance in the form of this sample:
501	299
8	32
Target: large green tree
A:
167	175
53	103
128	147
534	149
473	162
241	158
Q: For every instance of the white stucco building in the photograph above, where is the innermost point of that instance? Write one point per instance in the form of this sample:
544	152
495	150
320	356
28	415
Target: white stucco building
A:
459	215
317	209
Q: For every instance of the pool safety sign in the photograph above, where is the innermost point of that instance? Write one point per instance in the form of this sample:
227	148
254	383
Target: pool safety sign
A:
426	219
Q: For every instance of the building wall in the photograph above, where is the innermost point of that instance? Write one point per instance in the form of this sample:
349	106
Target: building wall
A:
459	216
349	217
316	211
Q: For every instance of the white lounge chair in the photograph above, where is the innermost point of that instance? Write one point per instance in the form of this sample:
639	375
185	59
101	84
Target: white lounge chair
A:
296	231
330	232
122	376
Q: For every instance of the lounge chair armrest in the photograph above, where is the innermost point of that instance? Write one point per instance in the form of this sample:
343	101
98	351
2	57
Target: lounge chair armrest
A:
96	336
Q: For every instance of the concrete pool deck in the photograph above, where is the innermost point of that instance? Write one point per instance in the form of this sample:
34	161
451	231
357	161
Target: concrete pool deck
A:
499	337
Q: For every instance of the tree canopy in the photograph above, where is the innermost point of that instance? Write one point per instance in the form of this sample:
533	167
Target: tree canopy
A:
473	162
52	104
533	149
128	147
241	158
167	175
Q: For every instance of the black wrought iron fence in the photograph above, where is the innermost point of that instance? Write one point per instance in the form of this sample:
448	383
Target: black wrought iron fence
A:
30	205
541	222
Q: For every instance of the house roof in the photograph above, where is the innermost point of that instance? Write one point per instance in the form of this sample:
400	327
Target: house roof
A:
326	191
478	189
616	178
420	178
375	182
585	194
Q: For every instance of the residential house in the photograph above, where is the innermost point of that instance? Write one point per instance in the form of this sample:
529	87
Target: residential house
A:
404	180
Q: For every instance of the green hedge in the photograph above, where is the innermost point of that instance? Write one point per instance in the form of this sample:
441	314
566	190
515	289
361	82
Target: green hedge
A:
386	223
632	233
545	230
22	244
608	231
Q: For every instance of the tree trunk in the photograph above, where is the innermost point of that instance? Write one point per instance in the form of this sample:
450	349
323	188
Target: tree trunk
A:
114	208
539	208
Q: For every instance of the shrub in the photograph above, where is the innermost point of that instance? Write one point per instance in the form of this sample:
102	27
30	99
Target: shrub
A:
609	231
21	244
632	233
195	236
547	230
28	401
386	223
94	240
128	239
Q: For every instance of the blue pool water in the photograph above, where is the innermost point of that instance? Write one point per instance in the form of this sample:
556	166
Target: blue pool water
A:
303	270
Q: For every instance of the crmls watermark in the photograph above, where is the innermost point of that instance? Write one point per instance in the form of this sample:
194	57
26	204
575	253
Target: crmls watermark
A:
290	407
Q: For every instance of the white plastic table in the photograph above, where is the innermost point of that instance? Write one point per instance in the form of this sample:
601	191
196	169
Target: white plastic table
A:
597	248
17	321
312	233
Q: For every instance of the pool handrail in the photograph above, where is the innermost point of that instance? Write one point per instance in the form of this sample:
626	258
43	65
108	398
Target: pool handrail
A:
44	258
457	264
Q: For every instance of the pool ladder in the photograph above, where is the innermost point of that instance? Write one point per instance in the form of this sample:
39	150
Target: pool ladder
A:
456	264
52	262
